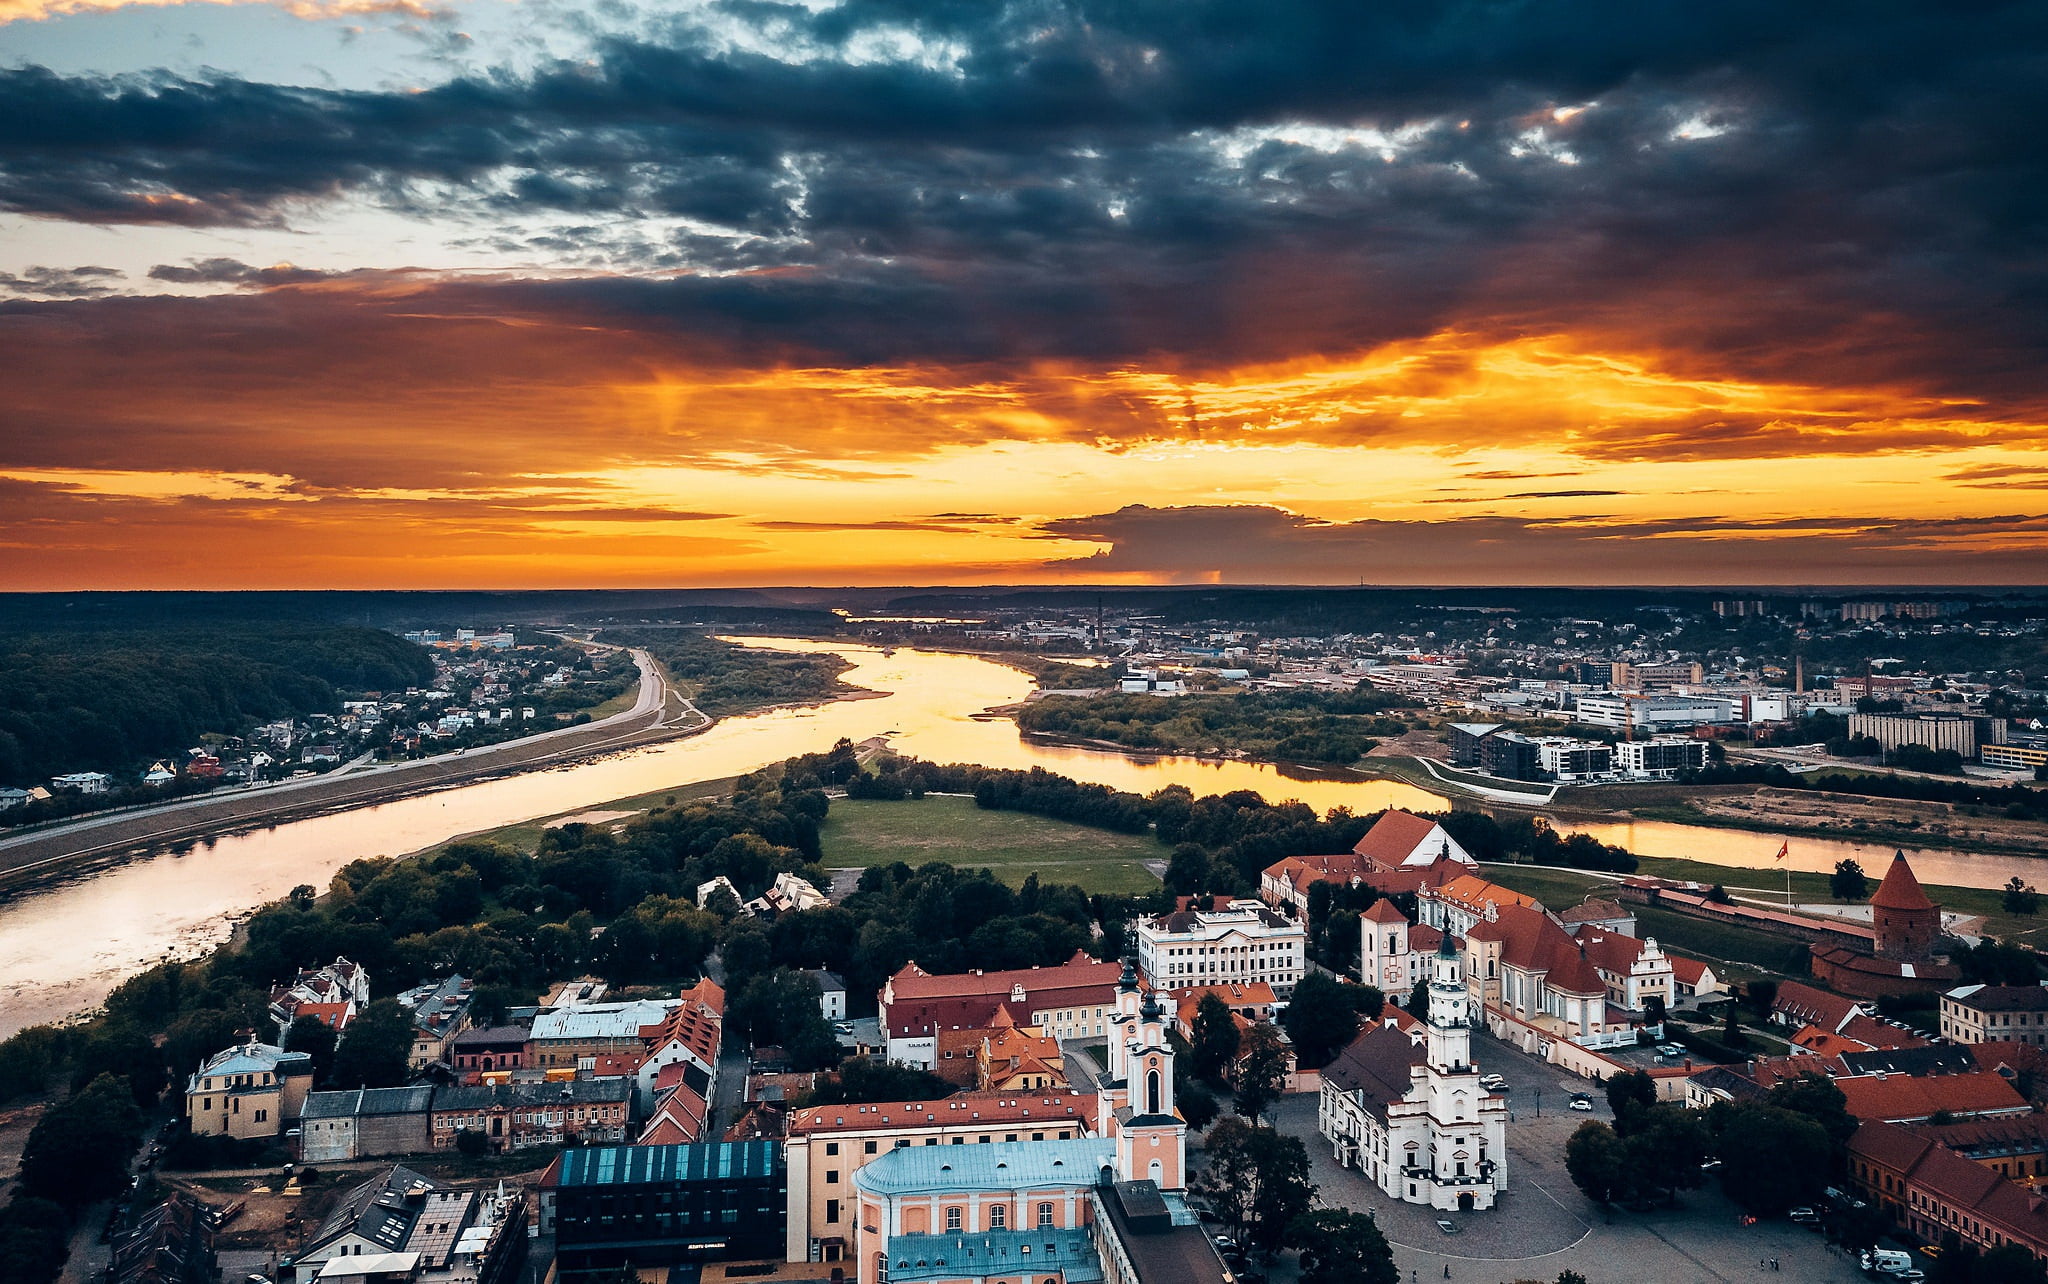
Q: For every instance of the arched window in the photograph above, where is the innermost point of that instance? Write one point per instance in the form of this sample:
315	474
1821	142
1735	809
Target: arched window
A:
1152	1092
999	1218
1044	1216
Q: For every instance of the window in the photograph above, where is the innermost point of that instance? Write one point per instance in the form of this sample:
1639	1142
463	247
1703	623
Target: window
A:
831	1210
1044	1216
831	1147
831	1176
952	1219
998	1218
869	1148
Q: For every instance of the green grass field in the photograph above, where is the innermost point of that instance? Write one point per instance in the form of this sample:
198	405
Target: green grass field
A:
1012	844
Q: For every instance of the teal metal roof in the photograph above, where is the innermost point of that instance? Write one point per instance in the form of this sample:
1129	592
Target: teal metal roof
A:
1003	1165
635	1165
1027	1252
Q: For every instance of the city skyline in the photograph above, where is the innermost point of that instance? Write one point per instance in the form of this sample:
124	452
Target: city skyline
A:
486	294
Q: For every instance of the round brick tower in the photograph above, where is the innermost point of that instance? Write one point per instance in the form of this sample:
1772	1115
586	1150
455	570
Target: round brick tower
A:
1906	921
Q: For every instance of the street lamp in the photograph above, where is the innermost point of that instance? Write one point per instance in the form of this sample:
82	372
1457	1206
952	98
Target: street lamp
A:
1539	1103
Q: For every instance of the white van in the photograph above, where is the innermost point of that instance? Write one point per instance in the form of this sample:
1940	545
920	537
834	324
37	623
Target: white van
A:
1886	1261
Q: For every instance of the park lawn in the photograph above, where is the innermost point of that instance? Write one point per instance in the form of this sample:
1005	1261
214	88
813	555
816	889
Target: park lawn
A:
1558	889
1014	845
1723	942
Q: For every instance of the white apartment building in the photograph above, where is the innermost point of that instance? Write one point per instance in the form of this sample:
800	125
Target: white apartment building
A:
1660	758
1568	759
1241	941
1653	711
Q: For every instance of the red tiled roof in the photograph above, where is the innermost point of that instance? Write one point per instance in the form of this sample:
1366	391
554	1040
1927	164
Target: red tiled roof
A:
1806	1004
1530	940
1876	1034
1383	912
1900	890
1899	1097
1685	970
922	1003
1393	838
955	1111
1963	1188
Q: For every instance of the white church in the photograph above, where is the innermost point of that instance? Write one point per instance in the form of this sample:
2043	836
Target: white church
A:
1405	1106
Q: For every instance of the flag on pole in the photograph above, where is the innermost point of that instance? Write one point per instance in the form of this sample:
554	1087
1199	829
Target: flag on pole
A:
1784	850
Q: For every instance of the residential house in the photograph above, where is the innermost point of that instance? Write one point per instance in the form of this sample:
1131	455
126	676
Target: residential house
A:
513	1116
401	1224
2014	1013
332	993
251	1090
831	993
440	1012
169	1243
496	1050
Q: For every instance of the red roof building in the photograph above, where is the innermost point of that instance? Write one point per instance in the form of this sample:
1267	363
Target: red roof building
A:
1071	1001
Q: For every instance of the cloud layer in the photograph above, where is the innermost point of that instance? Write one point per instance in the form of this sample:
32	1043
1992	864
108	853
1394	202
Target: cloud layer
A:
747	235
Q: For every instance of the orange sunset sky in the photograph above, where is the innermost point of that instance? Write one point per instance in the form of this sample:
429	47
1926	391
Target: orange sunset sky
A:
500	294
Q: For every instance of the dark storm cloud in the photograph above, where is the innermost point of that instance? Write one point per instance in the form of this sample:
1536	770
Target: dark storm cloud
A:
1089	181
62	283
230	271
1249	543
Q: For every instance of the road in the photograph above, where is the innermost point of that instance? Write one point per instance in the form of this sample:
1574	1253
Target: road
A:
658	713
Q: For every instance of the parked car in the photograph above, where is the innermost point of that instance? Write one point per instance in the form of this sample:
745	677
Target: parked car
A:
1670	1050
1582	1103
1447	1226
1804	1216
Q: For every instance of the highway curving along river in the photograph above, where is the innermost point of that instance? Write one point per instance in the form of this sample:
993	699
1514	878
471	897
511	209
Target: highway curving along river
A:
64	944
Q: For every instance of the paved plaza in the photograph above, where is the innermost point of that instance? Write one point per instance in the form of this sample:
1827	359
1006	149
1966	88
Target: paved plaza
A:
1542	1224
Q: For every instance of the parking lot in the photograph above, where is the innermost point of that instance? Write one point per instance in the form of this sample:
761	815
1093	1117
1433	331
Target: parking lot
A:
1542	1225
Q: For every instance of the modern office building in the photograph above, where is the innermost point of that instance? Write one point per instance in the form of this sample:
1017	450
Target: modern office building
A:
612	1207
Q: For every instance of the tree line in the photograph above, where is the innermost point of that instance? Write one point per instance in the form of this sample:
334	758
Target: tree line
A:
100	700
722	678
2015	800
1290	726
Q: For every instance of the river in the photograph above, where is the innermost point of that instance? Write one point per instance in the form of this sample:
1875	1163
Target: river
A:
64	944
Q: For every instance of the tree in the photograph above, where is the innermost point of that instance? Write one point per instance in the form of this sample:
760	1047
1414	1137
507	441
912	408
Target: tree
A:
863	1079
781	1008
1261	1072
1627	1095
1771	1159
1215	1041
472	1143
1597	1162
1815	1097
315	1038
1418	1000
1848	882
1664	1148
35	1238
1257	1180
1197	1104
376	1049
1322	1017
1654	1010
2020	898
79	1151
1342	1247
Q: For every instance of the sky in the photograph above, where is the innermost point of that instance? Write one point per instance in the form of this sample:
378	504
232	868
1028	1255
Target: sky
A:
558	293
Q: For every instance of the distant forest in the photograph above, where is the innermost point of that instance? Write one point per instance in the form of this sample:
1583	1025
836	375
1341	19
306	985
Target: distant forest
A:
723	678
79	700
1295	726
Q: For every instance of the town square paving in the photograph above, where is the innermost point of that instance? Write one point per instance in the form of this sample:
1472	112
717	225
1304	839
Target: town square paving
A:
1543	1225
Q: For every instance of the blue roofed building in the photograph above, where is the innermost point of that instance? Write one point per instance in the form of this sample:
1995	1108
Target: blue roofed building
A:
1103	1209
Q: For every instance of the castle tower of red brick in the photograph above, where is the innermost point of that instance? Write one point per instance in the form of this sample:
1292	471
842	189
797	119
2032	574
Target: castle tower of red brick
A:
1906	921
